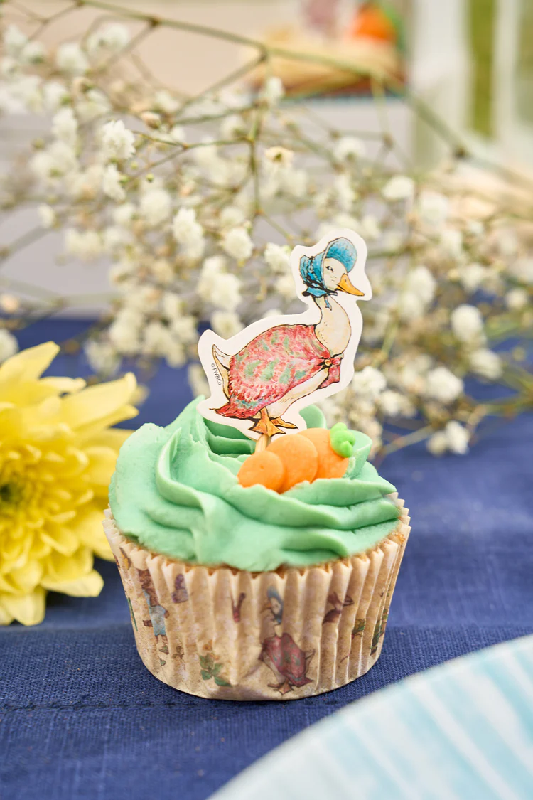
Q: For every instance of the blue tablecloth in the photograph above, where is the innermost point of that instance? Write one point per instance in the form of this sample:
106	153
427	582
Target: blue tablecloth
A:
81	717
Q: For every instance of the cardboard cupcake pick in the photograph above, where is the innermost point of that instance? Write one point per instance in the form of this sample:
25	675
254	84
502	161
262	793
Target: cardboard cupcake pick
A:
261	378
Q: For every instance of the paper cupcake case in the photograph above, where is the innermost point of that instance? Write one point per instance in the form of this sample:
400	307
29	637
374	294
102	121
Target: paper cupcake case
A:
233	635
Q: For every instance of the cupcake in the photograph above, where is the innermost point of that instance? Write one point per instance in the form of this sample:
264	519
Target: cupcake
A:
247	580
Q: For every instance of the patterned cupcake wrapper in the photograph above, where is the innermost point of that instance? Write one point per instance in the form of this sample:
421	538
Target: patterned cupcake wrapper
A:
233	635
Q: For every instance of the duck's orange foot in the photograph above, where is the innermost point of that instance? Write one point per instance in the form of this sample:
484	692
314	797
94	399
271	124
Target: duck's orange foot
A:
282	688
265	425
281	423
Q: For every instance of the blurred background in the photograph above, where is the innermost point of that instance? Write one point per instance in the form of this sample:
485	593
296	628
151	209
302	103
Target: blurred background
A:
469	61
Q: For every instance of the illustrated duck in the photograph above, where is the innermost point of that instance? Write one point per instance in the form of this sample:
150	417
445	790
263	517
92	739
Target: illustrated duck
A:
290	361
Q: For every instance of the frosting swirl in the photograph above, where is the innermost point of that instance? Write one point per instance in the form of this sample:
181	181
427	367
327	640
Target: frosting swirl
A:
175	492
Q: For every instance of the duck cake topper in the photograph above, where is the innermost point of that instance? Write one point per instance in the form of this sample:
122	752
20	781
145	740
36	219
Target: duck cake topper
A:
261	378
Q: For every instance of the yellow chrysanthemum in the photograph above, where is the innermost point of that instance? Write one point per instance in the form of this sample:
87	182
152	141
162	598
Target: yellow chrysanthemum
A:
57	456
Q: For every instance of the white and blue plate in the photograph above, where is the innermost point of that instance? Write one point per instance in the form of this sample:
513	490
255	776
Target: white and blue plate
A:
461	730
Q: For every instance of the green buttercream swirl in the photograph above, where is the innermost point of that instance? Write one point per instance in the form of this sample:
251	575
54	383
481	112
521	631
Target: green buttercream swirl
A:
175	491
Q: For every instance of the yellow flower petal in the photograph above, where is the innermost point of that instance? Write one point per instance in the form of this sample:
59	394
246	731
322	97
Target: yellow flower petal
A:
97	402
28	364
90	532
67	385
26	578
61	569
25	608
60	538
58	454
87	586
102	462
5	617
114	438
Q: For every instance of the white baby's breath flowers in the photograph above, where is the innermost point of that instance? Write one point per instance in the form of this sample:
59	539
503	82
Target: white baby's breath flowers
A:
86	184
47	215
172	306
507	242
454	438
226	291
8	345
433	207
437	444
472	276
399	187
457	437
102	357
233	126
155	207
467	323
156	339
277	257
184	329
110	38
272	90
118	143
124	336
369	227
231	217
368	383
54	93
285	286
395	404
277	159
33	53
522	269
418	292
112	183
71	59
14	40
343	192
162	270
166	102
485	363
65	126
188	232
443	385
175	353
91	105
451	240
115	238
86	245
54	162
516	299
348	148
226	323
124	214
237	243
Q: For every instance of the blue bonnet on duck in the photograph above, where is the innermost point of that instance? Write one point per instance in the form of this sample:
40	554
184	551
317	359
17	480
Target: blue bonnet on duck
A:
311	267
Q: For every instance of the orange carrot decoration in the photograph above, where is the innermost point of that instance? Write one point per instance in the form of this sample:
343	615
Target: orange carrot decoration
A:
307	456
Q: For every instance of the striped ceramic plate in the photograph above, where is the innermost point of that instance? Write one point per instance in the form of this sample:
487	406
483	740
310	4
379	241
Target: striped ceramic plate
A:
462	730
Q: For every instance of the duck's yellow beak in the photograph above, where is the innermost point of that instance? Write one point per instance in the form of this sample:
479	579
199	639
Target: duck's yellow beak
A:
345	285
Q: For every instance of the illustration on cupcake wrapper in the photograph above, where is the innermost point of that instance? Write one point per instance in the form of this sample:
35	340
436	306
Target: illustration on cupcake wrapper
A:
281	654
180	593
338	605
155	610
211	667
236	607
260	378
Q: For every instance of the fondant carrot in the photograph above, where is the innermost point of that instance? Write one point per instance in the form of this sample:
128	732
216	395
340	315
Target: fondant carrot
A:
306	456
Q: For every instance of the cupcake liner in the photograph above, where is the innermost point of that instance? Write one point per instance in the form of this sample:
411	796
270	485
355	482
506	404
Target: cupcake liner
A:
228	634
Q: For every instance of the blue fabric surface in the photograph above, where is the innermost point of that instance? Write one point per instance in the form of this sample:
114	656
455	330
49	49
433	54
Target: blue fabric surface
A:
81	717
